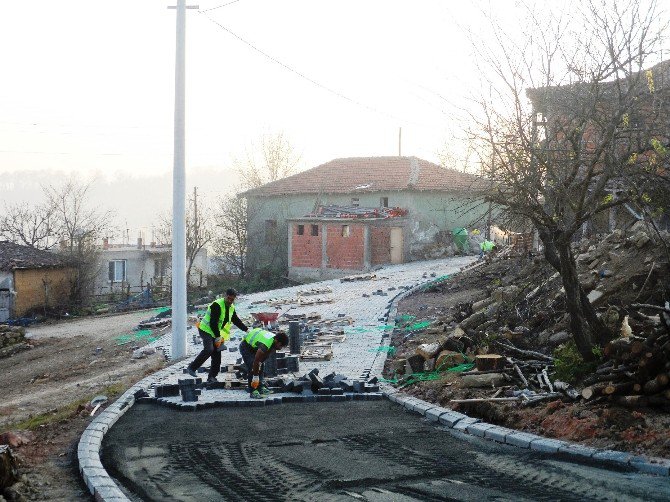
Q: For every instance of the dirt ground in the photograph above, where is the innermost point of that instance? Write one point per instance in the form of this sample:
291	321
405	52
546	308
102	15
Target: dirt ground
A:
46	390
603	425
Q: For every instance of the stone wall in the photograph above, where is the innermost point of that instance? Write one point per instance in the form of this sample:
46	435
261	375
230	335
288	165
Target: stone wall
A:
11	335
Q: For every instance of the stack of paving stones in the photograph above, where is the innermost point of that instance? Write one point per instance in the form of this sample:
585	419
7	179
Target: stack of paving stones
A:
188	389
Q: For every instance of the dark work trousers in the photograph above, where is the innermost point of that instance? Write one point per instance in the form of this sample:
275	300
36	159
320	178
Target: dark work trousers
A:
207	351
249	354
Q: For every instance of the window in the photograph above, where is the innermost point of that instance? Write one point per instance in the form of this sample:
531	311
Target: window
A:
301	229
270	231
354	201
384	202
345	230
117	270
315	230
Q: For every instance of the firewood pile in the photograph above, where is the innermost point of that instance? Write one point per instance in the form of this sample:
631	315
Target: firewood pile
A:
636	372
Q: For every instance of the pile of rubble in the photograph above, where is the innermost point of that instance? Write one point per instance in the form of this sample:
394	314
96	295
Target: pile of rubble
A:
12	340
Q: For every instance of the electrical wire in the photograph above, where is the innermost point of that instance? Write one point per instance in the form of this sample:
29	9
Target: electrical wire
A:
219	6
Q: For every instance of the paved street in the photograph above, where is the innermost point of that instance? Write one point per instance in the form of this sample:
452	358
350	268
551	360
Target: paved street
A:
365	451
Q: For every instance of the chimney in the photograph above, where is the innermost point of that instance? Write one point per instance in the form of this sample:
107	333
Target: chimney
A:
139	243
105	243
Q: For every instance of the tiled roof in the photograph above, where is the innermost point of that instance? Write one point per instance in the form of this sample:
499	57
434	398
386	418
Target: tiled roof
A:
370	174
15	256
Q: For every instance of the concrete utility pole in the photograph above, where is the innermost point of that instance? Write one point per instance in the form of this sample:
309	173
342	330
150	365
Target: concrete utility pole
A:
179	192
400	142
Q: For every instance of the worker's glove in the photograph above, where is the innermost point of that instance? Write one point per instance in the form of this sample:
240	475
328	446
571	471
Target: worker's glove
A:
218	341
255	382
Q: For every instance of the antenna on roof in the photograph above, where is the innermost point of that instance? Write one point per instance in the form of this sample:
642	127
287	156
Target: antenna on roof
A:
399	141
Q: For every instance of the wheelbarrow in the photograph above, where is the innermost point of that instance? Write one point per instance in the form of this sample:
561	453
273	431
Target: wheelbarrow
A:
267	319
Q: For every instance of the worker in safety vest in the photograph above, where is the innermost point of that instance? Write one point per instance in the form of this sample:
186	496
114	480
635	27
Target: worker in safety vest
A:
214	329
486	247
255	348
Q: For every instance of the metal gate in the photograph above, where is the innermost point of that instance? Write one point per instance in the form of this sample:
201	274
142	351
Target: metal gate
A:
4	304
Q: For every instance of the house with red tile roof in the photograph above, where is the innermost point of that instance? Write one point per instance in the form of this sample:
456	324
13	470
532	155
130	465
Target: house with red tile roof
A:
295	224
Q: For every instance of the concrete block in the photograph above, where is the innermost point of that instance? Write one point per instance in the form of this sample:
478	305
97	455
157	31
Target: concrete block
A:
498	433
656	466
422	407
451	418
546	445
521	439
433	415
478	429
463	424
577	450
618	457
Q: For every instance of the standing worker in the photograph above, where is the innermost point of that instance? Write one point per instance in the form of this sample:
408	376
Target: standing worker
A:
255	348
214	329
486	247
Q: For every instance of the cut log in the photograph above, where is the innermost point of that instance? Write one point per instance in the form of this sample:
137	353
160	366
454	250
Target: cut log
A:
641	401
485	380
489	362
593	391
619	389
428	350
653	386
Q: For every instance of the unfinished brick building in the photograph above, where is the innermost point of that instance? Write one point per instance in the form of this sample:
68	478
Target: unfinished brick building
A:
280	236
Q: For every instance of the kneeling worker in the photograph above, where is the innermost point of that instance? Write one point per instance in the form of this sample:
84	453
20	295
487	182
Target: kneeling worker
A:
255	348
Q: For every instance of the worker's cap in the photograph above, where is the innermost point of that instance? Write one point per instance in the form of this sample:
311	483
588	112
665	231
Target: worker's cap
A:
231	292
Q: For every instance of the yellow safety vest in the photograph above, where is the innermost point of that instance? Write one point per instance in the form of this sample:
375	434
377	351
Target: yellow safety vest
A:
224	331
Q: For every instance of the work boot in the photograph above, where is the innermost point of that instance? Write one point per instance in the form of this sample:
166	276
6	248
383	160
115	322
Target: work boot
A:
265	391
256	395
191	372
211	379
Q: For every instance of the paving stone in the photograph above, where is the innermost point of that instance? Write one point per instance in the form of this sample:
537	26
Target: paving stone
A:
656	466
547	445
618	457
521	439
498	433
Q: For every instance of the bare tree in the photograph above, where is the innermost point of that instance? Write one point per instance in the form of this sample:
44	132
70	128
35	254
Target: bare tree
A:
35	226
272	160
198	229
231	239
585	143
79	228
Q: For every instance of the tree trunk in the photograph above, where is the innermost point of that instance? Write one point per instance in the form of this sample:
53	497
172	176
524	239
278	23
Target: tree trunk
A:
583	318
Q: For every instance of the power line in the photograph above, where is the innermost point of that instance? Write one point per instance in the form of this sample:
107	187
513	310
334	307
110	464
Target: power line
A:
219	6
309	79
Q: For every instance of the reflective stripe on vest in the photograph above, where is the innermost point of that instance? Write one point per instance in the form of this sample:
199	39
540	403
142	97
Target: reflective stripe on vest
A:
224	331
259	335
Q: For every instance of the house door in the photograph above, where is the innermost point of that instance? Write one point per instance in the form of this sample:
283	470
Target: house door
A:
396	245
4	304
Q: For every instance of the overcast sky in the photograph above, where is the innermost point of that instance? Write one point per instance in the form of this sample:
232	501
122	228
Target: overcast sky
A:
88	86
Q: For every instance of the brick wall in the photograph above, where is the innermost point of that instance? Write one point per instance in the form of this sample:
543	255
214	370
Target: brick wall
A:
305	248
345	252
380	245
31	292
